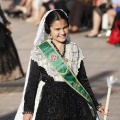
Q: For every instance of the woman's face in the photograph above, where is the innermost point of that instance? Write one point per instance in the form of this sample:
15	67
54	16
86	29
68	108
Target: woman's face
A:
59	30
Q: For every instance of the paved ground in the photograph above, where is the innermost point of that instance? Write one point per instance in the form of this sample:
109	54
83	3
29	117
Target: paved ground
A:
101	61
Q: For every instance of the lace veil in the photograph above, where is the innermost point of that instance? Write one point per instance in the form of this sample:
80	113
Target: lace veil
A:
41	34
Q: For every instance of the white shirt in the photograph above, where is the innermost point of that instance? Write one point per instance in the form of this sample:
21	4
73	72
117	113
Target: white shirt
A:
115	1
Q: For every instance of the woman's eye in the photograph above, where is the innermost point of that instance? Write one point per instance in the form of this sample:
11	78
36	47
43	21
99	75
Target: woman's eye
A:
57	29
66	26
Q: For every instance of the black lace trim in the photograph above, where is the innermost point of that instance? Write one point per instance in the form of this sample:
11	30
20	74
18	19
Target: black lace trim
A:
60	102
64	50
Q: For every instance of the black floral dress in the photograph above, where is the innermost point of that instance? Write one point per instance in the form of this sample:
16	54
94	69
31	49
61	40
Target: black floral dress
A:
58	101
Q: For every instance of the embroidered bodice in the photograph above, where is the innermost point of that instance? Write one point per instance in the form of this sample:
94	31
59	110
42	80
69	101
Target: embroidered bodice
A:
73	57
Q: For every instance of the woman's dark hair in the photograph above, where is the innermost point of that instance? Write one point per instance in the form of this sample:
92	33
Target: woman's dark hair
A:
53	16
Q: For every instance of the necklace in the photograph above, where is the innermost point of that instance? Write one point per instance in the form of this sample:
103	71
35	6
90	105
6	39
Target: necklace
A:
63	52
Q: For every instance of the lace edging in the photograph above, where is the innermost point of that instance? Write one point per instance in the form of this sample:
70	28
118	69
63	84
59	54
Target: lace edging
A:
73	54
40	59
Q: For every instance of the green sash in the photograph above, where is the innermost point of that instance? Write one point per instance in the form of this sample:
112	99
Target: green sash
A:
64	71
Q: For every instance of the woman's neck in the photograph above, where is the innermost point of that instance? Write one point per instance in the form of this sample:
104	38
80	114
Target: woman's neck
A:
59	45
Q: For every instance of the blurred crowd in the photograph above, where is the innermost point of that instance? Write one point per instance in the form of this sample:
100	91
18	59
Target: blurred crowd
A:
97	15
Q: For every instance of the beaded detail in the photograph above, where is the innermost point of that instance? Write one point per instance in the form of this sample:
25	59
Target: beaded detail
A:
27	112
99	105
63	53
57	103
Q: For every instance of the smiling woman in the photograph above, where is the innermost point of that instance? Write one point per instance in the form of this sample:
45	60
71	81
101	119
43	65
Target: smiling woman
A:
57	87
59	31
57	27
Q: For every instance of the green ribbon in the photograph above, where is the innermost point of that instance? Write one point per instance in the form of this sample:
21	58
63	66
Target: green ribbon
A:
63	70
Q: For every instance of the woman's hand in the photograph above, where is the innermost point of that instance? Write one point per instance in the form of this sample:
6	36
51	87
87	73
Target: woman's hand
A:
27	116
101	109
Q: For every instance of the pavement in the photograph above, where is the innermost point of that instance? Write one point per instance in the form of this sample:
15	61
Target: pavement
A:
101	61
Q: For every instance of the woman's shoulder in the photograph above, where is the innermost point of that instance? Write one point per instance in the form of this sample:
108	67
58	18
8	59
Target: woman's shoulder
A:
34	49
35	53
73	43
74	46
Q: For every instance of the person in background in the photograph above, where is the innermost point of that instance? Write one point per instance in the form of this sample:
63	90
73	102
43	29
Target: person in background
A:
12	5
113	12
114	18
80	11
10	67
101	8
21	10
36	12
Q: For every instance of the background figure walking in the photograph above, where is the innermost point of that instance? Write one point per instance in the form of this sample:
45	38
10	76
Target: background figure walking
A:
10	67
